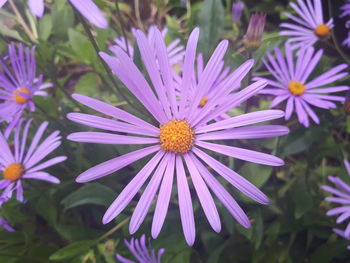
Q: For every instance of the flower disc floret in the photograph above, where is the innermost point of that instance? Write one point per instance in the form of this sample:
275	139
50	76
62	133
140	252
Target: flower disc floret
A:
176	136
18	97
296	88
322	30
13	171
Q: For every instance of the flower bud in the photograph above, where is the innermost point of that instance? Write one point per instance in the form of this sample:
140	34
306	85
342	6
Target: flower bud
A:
253	38
237	10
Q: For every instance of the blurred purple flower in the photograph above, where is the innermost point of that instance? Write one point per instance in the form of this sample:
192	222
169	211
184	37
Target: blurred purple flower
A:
91	12
35	6
5	225
346	12
183	130
342	234
22	163
175	51
343	197
291	83
253	37
141	252
237	10
18	84
310	24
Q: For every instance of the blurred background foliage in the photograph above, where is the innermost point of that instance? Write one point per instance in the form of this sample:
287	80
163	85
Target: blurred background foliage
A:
63	223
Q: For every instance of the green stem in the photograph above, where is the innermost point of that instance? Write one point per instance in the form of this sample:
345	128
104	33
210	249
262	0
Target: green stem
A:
137	13
122	26
114	229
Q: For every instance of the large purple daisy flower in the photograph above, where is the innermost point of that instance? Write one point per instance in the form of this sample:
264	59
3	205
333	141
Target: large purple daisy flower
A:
18	84
5	225
22	163
310	25
291	83
141	252
342	194
174	49
183	132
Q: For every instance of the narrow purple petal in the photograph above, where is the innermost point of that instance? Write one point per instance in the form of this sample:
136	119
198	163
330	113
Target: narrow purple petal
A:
36	7
90	11
42	176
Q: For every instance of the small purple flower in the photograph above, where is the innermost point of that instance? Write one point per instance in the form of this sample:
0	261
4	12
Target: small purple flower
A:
18	84
35	6
91	12
141	252
343	197
5	225
237	10
310	25
182	130
22	163
291	74
346	12
253	38
342	234
174	49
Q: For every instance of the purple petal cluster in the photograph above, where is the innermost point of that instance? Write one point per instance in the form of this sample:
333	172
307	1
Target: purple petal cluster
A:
178	144
346	13
174	49
141	252
5	225
342	197
237	10
291	83
21	162
309	26
253	37
18	84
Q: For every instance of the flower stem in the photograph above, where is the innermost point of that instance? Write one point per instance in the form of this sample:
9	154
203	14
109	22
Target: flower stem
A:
22	22
114	229
137	13
122	26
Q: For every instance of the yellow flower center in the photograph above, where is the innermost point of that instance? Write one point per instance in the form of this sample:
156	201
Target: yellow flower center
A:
18	96
203	101
296	88
322	30
13	171
176	136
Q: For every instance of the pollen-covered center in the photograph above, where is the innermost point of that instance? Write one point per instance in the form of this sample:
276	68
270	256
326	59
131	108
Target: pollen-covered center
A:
18	95
296	88
322	30
176	136
14	171
203	101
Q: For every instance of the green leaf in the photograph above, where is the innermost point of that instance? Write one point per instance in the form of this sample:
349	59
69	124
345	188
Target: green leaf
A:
81	46
93	193
45	27
210	21
256	173
72	250
88	84
302	199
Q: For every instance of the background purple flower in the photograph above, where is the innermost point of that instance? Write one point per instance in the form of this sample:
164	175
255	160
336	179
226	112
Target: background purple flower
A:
346	13
5	225
35	6
237	10
291	73
18	84
342	234
310	25
142	252
91	12
22	162
183	130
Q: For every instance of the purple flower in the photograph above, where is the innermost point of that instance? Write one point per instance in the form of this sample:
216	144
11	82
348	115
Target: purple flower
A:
18	84
342	194
310	24
5	225
342	234
22	163
291	83
35	6
184	128
141	252
91	12
175	51
253	38
237	10
346	12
